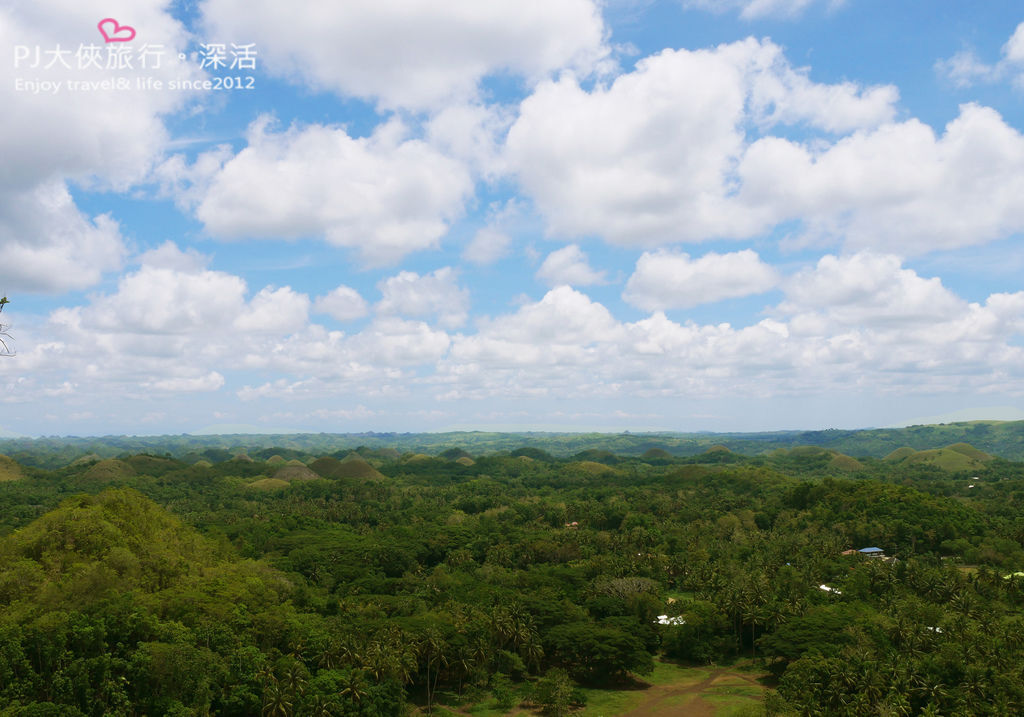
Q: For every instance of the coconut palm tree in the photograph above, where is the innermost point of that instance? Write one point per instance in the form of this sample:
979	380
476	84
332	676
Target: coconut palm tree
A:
277	701
354	686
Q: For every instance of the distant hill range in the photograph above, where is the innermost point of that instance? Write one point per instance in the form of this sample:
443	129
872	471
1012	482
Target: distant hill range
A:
1004	439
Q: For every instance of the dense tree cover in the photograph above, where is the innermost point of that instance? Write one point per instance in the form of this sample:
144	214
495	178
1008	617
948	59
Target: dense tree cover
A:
147	584
1001	438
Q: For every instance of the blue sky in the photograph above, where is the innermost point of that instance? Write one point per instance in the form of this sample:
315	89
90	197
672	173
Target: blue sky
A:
665	214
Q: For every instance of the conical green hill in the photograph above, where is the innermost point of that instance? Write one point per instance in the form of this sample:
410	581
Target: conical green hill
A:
900	454
292	473
118	541
590	468
970	451
152	465
87	459
108	471
9	469
268	484
843	462
355	466
947	460
418	458
327	466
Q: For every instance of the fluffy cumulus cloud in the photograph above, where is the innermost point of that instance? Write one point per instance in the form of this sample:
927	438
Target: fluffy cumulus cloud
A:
471	133
435	294
385	195
650	158
173	326
48	245
279	311
852	320
965	68
156	300
664	154
870	290
343	303
392	341
830	335
562	329
414	53
54	134
569	265
673	280
170	256
899	186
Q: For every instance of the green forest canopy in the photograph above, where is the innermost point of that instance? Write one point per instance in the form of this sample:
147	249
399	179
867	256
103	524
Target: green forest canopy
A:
363	582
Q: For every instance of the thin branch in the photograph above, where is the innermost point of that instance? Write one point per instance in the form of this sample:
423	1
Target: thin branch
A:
3	330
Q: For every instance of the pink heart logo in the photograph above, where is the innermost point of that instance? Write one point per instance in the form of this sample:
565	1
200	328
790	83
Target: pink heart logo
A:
116	33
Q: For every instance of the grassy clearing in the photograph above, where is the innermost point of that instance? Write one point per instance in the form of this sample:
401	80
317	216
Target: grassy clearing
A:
673	687
734	696
729	690
606	703
668	673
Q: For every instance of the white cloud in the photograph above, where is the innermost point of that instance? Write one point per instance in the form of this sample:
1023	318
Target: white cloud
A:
169	256
471	133
48	245
413	53
569	265
492	241
965	68
780	94
210	382
870	290
343	303
107	136
857	322
384	195
898	188
157	300
559	330
650	158
97	138
754	9
670	280
187	184
275	311
435	294
487	246
1013	50
391	341
662	156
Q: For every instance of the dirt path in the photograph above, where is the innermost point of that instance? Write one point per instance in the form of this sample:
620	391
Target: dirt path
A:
670	701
